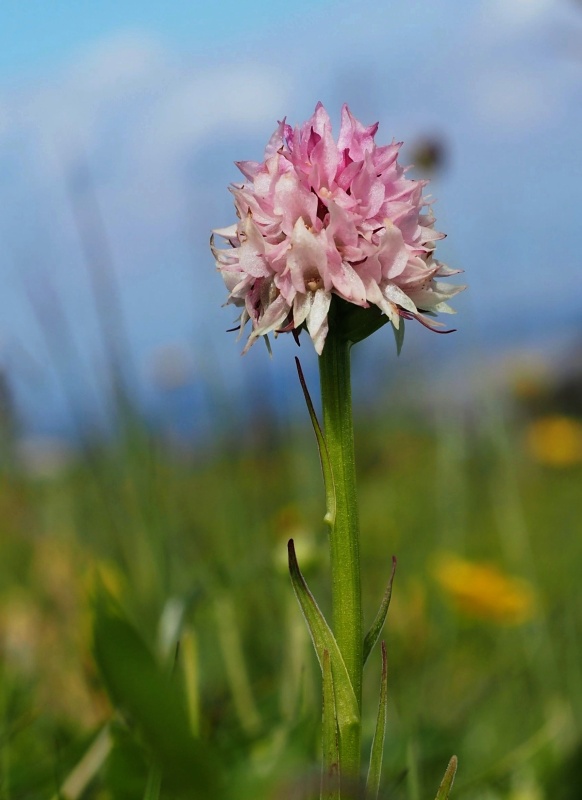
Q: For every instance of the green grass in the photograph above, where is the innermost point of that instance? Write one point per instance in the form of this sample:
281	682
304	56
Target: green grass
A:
193	550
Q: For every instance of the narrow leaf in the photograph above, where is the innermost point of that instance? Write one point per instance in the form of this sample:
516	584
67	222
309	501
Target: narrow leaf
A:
330	783
323	639
399	336
235	663
153	704
154	783
412	771
375	769
328	481
83	773
374	633
447	781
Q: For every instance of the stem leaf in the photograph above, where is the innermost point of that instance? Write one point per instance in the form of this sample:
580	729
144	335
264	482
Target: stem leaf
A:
346	705
375	769
374	633
330	783
330	496
447	781
399	335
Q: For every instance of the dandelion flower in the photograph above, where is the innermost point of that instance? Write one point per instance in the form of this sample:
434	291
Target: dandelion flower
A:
482	591
555	441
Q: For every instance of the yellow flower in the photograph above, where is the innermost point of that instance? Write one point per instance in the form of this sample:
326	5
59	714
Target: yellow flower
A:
556	441
483	591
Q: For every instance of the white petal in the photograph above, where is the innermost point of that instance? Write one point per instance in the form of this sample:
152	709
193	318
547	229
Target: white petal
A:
445	271
396	295
319	338
301	307
227	233
318	313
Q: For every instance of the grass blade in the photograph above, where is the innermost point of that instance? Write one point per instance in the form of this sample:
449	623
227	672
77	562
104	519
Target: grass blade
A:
154	705
83	773
447	781
374	633
235	664
154	783
375	769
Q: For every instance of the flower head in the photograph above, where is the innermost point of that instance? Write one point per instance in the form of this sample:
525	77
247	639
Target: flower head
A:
319	218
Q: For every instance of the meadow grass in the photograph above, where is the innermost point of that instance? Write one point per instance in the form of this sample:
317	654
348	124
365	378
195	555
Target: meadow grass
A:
181	560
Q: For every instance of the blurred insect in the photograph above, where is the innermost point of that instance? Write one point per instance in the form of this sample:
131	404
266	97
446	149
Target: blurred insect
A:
429	154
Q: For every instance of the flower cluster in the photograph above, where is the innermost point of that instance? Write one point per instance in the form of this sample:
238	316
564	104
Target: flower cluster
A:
319	218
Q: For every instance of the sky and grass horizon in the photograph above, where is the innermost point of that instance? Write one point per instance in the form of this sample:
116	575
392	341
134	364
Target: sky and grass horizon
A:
128	118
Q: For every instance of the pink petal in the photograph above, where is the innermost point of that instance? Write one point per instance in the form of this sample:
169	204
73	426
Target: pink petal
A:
318	218
354	137
392	253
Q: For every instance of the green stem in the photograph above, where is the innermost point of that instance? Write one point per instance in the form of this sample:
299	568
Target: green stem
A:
334	372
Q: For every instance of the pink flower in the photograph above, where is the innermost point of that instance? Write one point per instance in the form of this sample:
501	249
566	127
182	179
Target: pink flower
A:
319	218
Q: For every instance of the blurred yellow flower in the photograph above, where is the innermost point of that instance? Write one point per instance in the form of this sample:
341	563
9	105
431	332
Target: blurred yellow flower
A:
555	441
44	636
481	590
21	626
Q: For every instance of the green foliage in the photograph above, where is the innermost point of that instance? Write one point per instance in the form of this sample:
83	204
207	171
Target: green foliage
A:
377	754
328	479
346	706
330	766
447	781
166	536
358	323
152	702
373	634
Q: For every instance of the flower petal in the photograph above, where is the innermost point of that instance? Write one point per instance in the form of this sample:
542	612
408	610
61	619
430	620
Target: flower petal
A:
318	218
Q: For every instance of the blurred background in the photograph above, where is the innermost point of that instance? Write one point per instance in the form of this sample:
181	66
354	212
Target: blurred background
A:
142	457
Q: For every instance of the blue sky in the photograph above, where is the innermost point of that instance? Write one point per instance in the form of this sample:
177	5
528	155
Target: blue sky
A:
37	35
159	101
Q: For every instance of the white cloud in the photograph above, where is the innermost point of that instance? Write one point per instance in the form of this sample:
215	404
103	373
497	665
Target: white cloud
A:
138	115
63	115
119	64
515	81
243	98
512	103
129	95
517	13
